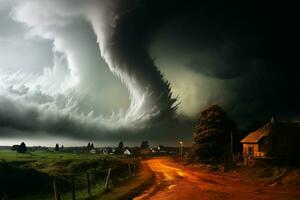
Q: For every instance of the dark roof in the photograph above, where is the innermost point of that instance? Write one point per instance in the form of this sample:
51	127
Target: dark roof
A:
287	129
255	136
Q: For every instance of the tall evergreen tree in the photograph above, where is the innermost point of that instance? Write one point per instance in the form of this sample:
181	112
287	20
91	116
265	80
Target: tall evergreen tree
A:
121	145
212	135
120	148
56	147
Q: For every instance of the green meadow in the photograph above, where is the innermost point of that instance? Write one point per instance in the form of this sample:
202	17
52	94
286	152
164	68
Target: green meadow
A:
30	175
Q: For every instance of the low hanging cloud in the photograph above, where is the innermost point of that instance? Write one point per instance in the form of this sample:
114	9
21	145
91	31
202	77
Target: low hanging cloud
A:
34	120
241	57
19	120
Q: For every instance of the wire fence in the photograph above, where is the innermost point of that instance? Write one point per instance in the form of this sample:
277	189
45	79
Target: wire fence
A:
79	184
91	182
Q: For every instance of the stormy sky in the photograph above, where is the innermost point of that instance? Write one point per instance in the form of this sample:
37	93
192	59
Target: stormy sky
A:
110	70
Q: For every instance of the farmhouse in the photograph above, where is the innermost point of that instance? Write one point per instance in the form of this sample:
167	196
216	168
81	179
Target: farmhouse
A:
127	152
277	140
255	144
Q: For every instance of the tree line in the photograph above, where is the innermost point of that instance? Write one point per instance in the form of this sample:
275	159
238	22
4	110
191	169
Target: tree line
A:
22	148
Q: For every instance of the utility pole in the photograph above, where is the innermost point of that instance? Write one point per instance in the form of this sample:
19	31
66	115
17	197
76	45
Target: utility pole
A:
231	146
181	148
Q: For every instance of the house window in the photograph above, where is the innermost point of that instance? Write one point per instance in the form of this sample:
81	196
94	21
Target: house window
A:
250	151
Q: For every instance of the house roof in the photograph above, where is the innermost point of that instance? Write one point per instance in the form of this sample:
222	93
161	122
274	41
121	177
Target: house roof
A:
255	136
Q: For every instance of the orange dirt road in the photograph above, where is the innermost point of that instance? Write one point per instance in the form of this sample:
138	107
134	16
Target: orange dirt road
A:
173	181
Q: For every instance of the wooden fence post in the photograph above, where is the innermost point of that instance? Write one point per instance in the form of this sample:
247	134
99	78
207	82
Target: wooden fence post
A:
73	188
134	173
107	179
129	169
55	188
88	183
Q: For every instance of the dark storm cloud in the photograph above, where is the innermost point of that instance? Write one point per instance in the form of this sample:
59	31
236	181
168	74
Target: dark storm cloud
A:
254	44
251	44
253	47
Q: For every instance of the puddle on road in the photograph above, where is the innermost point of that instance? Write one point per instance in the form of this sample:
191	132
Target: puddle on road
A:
171	186
180	173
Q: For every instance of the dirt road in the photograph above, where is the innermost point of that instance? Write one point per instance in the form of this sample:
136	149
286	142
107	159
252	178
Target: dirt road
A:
173	181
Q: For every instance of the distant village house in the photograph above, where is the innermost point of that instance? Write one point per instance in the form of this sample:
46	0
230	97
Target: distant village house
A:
93	151
127	152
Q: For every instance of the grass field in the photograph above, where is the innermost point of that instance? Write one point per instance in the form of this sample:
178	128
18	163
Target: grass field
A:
10	156
32	174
